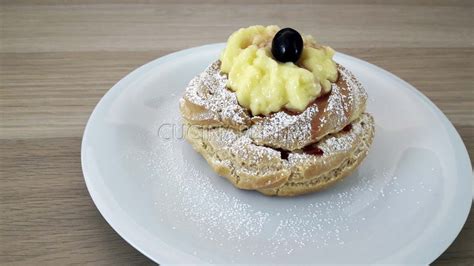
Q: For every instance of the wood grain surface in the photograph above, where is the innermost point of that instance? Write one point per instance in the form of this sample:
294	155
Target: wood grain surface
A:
58	58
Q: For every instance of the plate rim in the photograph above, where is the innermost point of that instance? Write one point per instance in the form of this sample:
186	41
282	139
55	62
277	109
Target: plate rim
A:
455	137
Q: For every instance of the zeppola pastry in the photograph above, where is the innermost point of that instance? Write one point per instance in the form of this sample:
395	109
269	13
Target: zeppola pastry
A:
276	114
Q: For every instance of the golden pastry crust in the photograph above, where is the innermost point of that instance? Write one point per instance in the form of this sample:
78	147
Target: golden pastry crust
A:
267	153
232	154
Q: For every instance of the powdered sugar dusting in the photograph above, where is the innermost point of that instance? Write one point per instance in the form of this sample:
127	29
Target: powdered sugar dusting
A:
332	145
208	91
205	216
345	103
336	108
358	95
196	204
283	130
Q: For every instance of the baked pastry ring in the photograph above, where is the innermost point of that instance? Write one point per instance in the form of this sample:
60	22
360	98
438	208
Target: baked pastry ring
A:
208	103
284	153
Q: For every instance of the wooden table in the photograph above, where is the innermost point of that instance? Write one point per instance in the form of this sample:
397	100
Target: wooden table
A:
58	58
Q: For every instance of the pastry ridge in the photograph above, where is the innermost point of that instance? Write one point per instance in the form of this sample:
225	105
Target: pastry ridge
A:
249	166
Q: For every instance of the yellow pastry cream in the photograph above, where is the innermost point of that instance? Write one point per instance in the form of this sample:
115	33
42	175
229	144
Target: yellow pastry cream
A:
265	85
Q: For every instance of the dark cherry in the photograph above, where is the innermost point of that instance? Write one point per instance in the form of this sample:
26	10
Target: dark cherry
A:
283	154
313	150
347	128
287	45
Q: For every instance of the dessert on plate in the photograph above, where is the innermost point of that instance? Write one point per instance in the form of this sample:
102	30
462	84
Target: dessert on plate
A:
276	114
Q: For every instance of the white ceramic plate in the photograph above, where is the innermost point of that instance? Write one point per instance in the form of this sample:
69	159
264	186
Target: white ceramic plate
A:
405	203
